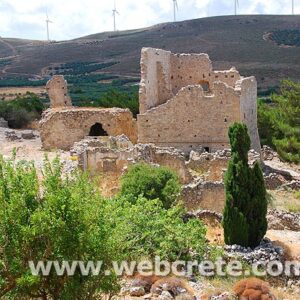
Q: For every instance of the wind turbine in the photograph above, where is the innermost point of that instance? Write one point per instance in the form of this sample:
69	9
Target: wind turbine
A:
236	5
175	7
115	12
293	7
47	25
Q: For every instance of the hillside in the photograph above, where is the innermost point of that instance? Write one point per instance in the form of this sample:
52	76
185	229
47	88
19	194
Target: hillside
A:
251	43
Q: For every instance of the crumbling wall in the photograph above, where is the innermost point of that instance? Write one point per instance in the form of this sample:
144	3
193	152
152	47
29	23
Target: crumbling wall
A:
248	107
209	166
57	89
61	128
184	103
192	118
204	195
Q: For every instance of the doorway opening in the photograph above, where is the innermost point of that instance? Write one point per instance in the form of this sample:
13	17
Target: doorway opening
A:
97	130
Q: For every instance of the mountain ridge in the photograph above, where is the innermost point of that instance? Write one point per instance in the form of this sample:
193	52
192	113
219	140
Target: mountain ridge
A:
242	41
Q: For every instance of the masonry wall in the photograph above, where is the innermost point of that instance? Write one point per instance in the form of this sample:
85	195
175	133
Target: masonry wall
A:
192	118
184	103
61	128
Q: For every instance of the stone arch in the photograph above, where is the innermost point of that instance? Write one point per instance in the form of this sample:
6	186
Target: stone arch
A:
97	130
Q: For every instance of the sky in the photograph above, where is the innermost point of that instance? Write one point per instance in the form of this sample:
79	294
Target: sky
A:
74	18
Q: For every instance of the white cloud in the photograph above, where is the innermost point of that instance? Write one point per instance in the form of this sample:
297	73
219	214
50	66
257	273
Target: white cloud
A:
74	18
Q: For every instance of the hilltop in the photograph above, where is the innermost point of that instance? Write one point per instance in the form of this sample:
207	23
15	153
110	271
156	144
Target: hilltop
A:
262	45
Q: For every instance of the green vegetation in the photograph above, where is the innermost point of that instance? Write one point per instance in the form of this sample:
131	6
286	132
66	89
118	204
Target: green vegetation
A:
5	62
288	37
77	68
152	183
144	229
65	222
22	110
244	219
20	82
279	122
64	218
115	98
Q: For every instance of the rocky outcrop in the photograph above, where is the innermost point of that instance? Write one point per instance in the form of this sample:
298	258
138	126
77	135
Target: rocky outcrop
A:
283	220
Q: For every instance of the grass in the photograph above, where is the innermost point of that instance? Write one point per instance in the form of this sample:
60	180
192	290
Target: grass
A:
285	200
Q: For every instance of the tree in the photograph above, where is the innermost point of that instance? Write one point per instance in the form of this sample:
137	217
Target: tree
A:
151	182
59	219
244	219
279	123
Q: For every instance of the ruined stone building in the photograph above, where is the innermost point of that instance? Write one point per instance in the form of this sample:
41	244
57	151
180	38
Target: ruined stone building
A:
184	103
57	89
62	125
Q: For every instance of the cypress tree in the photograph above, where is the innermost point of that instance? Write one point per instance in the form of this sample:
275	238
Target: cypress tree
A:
244	219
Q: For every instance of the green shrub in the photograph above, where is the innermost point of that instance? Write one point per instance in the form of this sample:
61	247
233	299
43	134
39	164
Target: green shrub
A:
63	218
22	110
279	123
244	219
58	219
145	230
152	183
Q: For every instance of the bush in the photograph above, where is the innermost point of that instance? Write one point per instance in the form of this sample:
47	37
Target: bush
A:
22	110
65	223
145	230
244	219
152	183
63	218
279	123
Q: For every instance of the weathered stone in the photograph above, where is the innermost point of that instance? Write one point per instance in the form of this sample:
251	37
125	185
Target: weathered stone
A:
57	89
61	128
186	104
27	135
3	123
204	195
11	135
137	291
283	220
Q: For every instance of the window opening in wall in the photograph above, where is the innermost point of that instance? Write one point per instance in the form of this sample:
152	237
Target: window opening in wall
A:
205	85
207	149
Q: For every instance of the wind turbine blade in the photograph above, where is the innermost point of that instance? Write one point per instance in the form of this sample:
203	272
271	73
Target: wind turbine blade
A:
176	4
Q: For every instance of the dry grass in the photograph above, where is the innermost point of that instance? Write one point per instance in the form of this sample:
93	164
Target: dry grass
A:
285	200
9	93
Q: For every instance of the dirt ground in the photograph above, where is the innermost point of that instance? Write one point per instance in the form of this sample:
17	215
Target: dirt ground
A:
29	150
290	240
9	93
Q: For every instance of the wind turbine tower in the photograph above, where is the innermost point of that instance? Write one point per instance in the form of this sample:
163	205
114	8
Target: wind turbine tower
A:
115	12
175	7
293	7
47	25
236	5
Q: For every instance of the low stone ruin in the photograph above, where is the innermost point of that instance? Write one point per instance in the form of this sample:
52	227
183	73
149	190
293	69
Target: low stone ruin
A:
201	173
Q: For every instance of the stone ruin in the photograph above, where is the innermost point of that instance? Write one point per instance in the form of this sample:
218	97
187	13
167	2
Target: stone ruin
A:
62	125
186	109
57	89
184	103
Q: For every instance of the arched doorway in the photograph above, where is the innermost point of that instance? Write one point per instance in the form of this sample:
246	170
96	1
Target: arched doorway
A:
97	130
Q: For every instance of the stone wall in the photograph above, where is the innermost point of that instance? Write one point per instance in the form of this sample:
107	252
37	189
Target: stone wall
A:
185	104
192	118
57	89
204	195
61	128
